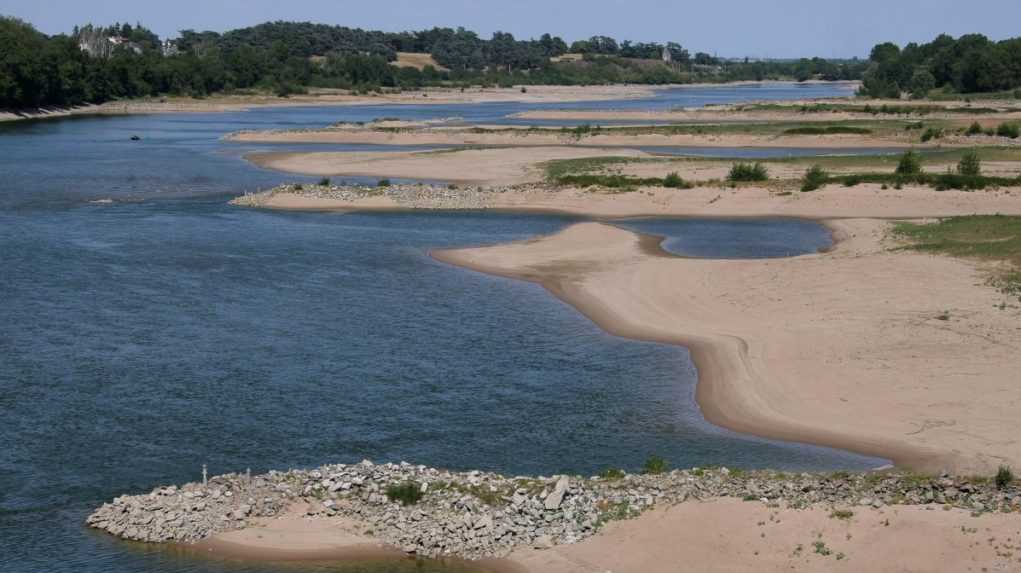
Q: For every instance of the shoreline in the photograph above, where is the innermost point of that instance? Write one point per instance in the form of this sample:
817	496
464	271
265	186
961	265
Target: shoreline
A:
720	361
489	523
222	103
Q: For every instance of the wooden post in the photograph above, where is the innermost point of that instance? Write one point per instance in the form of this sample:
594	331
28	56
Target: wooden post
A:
205	477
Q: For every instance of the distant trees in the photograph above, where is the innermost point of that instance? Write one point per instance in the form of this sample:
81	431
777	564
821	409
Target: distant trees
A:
969	64
127	61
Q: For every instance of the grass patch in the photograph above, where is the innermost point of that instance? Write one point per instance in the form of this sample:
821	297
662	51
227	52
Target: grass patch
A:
748	172
654	465
844	514
994	238
613	474
814	178
407	493
827	130
1004	477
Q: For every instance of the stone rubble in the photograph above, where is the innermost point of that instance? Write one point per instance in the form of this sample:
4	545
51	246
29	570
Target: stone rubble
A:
476	514
420	196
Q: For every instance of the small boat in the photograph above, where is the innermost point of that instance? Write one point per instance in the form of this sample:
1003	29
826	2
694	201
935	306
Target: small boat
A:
135	138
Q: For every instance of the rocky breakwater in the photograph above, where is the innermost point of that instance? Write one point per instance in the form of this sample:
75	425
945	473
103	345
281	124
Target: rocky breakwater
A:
434	512
404	196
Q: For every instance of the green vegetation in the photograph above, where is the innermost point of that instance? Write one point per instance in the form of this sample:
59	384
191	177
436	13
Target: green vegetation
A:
827	130
407	493
324	182
844	514
748	172
285	58
970	165
814	178
613	474
1004	477
932	133
1011	130
674	181
974	129
969	64
654	465
994	238
383	183
910	163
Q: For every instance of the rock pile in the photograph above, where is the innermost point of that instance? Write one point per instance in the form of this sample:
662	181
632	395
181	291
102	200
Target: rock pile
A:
475	514
410	196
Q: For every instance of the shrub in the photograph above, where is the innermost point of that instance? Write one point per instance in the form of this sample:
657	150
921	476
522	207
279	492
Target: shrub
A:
408	493
1004	477
932	133
814	178
383	183
975	129
970	164
910	163
654	465
852	181
1010	130
748	172
675	181
324	182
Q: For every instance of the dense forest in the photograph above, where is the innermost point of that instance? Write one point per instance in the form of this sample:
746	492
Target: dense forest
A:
96	64
970	64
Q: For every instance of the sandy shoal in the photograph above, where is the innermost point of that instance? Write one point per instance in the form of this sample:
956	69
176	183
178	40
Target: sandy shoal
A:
842	349
553	137
493	166
862	201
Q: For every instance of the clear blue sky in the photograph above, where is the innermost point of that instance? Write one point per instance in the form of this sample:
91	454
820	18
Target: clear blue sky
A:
758	28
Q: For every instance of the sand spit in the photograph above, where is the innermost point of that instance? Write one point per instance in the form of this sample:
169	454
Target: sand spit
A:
336	511
841	349
491	166
523	137
862	201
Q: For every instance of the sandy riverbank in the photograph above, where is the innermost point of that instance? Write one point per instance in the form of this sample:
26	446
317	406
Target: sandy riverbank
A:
725	535
733	536
841	349
323	97
706	517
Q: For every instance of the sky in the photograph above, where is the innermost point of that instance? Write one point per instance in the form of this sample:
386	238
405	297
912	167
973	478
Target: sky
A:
728	28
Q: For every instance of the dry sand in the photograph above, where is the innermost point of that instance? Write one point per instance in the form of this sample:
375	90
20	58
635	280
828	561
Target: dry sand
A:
833	201
492	166
717	535
843	349
731	536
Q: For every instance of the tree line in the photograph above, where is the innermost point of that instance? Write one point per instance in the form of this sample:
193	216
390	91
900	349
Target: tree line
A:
969	64
86	66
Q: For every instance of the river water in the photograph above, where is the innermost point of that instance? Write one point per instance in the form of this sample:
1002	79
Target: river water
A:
144	336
